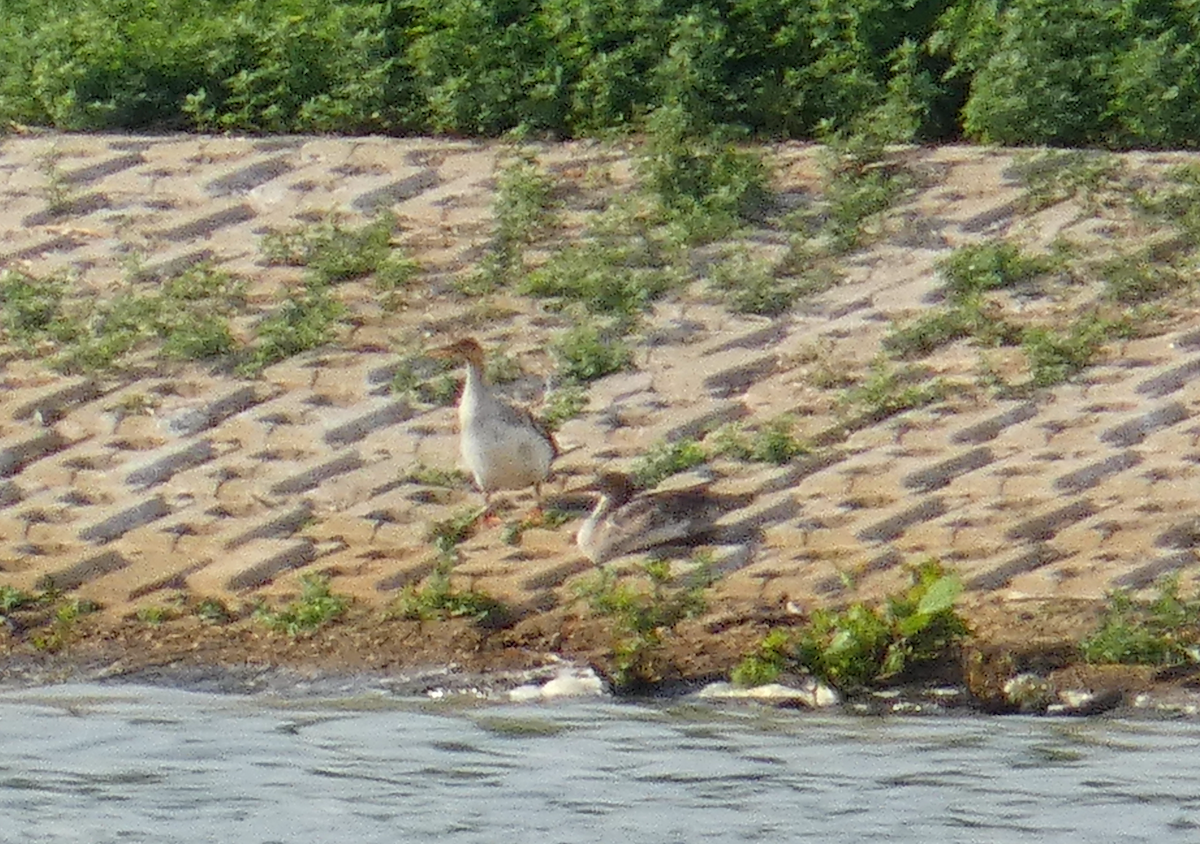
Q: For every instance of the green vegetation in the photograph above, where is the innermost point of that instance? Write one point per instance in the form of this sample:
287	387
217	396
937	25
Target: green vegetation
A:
65	614
302	320
426	380
437	599
187	315
432	476
563	403
664	459
774	441
334	253
445	534
861	646
1160	631
213	610
587	352
1053	176
888	391
155	615
1079	73
315	608
642	617
13	599
860	184
549	520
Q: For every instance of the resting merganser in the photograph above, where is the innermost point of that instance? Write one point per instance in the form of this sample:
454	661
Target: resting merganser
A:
625	521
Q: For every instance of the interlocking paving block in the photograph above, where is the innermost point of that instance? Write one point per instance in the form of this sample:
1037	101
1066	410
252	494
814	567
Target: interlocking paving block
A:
1043	528
91	566
999	575
49	402
17	452
204	226
1170	381
748	523
1135	431
162	464
383	414
1146	575
247	178
317	471
738	379
10	494
396	192
256	563
122	518
1090	476
274	525
1183	535
1191	340
107	167
707	420
192	420
989	429
895	525
79	206
941	474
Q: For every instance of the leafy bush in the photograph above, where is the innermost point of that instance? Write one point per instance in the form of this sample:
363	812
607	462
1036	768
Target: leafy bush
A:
1161	631
641	618
862	646
316	607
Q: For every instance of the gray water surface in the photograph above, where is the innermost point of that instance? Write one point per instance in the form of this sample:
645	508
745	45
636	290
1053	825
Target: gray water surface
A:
130	764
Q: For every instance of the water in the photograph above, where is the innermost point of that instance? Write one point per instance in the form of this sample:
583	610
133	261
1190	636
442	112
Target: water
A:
127	764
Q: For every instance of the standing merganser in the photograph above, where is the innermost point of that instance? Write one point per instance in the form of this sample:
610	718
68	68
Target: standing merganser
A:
503	446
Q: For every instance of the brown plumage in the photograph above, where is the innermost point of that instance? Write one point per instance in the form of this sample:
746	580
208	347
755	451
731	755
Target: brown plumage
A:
625	521
502	445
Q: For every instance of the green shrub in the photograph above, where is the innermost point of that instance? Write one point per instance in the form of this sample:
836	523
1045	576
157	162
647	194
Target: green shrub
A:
1161	631
587	352
316	607
641	618
862	646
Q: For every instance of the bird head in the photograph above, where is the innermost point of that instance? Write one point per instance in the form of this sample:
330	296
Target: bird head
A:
467	349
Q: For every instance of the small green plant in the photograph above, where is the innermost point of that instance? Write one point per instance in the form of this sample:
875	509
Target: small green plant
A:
549	520
62	630
334	253
752	287
32	307
426	380
302	321
641	617
446	534
13	599
57	191
1053	176
664	459
1140	279
156	615
1056	356
995	265
433	476
587	352
316	607
1161	631
213	610
437	599
563	403
862	646
860	185
704	184
889	391
605	279
774	441
523	210
1177	202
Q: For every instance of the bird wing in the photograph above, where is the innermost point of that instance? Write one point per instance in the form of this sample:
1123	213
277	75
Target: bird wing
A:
515	414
